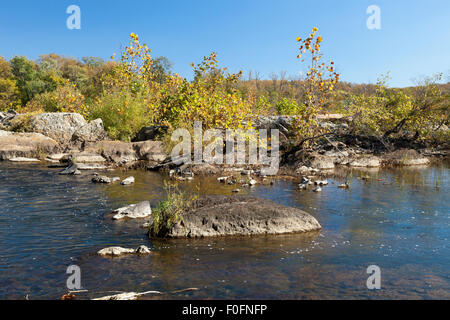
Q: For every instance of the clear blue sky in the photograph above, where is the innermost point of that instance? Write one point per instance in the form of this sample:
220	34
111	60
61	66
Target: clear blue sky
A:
248	34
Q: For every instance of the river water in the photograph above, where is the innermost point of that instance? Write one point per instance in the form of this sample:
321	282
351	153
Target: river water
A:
397	219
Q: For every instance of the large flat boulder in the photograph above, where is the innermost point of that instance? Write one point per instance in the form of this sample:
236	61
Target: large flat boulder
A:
241	215
25	145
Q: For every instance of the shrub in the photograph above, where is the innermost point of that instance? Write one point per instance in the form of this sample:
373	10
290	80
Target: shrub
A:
22	122
123	114
169	211
288	107
396	113
64	99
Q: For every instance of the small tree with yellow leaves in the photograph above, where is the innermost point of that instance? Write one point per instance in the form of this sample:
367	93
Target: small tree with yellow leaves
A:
319	84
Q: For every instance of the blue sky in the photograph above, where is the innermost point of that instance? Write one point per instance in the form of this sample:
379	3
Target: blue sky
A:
414	39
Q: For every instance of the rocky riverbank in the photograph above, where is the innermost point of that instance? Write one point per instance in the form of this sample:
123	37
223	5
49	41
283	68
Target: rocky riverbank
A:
64	137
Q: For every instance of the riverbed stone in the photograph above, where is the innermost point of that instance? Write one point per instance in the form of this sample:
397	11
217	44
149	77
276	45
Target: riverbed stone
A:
366	161
71	169
101	179
142	250
119	251
240	215
127	181
115	251
86	157
23	159
91	166
133	211
406	157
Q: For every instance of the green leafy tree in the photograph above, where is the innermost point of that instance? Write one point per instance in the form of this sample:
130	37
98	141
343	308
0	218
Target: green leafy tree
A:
8	87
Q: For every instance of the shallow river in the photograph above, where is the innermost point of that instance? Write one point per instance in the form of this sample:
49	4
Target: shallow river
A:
398	220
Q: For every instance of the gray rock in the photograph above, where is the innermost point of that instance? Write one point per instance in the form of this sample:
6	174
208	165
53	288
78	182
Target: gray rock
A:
321	182
318	189
59	126
303	186
142	250
241	215
150	133
91	166
119	251
127	181
101	179
150	151
124	152
414	162
23	159
366	161
58	156
322	163
27	145
133	211
6	117
91	132
115	251
70	170
126	296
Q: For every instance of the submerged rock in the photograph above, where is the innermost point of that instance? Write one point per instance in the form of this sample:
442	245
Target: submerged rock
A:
119	251
133	211
127	181
240	215
115	251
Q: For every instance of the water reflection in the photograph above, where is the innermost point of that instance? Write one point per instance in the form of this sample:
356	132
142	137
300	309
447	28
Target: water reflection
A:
397	219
